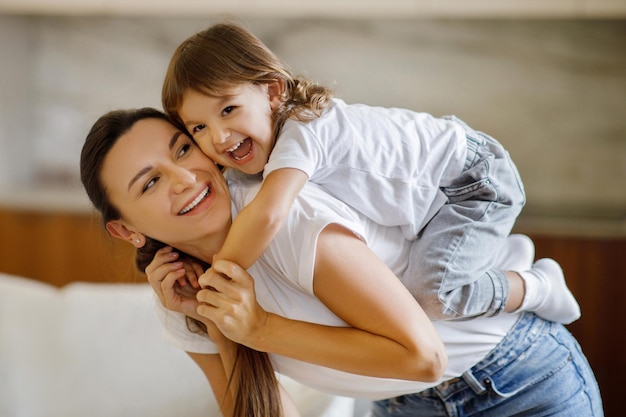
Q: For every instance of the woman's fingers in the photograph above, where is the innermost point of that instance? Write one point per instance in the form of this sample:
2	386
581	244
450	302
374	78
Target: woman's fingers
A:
228	299
163	255
193	270
165	275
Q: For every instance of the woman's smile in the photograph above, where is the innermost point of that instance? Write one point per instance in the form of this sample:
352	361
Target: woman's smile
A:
196	201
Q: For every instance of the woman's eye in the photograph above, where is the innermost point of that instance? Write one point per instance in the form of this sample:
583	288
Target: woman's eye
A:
228	110
185	148
149	184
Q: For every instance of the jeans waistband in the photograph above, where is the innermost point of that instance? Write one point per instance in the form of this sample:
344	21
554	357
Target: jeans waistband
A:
523	334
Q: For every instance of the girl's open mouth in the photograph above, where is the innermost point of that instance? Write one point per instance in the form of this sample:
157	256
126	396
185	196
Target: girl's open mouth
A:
241	150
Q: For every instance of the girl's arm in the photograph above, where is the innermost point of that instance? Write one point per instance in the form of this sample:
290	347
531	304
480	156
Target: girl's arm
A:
256	225
390	337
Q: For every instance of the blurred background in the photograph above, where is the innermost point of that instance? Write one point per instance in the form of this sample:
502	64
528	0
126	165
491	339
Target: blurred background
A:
547	80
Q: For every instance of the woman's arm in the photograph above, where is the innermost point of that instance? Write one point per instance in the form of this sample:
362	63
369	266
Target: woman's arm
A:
390	337
257	223
215	372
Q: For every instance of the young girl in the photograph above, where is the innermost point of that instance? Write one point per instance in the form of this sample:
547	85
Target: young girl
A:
453	191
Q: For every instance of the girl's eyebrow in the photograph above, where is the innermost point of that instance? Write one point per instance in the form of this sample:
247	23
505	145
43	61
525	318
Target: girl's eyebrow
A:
222	101
143	171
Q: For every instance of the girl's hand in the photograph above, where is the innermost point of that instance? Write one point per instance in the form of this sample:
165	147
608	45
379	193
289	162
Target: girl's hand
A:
228	299
165	275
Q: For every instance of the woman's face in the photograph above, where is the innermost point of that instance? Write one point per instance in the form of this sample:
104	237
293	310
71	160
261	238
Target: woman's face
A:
166	188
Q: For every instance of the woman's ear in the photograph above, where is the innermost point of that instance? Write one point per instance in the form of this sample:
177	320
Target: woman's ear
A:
120	231
275	90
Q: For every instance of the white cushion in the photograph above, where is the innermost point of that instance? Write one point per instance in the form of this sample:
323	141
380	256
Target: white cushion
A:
91	350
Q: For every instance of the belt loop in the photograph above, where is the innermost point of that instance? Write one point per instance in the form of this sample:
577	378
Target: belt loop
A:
473	383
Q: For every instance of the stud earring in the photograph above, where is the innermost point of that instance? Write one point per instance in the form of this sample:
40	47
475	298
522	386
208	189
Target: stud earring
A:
137	240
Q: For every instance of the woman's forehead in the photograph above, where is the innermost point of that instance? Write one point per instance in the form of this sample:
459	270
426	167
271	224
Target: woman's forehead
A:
137	148
156	131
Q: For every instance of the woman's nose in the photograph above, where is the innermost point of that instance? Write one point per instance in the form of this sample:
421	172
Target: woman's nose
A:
182	179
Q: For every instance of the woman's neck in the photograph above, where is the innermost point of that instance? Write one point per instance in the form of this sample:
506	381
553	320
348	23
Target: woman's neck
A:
205	248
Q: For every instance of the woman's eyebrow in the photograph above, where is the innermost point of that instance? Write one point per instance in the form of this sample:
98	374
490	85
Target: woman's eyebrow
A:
143	171
174	139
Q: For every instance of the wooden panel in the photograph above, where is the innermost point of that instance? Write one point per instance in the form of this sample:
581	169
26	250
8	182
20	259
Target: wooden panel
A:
595	270
59	248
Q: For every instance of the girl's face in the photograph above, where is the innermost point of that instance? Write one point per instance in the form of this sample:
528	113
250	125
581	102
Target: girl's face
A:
235	130
166	188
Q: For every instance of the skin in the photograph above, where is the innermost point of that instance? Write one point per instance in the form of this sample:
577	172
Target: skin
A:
242	116
165	177
153	173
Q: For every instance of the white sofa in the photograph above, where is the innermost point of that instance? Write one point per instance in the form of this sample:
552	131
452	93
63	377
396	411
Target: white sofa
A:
95	350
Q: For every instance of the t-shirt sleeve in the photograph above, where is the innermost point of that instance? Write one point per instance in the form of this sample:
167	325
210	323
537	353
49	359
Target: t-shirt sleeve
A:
296	147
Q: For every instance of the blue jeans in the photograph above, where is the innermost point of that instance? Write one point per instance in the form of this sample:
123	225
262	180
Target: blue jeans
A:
450	270
537	370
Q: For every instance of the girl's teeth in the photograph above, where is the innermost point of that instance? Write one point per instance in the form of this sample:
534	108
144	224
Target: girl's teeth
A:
234	147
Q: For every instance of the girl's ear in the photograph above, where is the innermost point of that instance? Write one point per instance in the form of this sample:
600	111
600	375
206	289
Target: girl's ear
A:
275	90
117	229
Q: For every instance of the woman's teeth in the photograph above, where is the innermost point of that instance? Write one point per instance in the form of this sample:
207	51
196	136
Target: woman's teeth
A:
195	202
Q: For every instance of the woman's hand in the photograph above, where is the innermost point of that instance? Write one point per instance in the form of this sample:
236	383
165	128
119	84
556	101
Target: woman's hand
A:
174	282
228	299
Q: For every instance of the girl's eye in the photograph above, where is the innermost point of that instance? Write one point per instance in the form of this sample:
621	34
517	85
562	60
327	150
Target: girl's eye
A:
228	110
196	129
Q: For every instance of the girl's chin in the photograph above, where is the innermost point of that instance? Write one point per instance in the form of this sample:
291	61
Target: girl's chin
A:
250	168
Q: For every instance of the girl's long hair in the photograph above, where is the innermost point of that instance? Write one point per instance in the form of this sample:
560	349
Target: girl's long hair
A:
227	55
257	392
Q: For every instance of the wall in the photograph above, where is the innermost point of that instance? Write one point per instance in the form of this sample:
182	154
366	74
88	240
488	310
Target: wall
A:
550	90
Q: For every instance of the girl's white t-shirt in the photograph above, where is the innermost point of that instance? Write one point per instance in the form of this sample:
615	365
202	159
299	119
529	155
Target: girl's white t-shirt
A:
284	285
387	163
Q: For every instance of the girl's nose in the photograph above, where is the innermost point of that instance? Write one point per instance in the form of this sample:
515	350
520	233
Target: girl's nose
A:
220	134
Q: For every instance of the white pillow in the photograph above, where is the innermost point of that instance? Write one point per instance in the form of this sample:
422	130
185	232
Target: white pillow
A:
95	350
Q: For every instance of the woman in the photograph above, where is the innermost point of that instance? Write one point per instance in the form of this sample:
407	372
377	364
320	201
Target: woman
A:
326	309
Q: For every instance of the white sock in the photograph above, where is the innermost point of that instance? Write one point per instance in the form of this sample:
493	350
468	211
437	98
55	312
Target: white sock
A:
547	294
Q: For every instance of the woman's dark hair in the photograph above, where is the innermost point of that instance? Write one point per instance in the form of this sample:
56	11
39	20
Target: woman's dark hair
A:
257	386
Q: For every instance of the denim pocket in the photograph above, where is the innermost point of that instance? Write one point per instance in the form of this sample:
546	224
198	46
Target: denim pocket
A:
543	360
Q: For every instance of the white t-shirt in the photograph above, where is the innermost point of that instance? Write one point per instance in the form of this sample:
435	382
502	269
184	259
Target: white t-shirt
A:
388	163
284	285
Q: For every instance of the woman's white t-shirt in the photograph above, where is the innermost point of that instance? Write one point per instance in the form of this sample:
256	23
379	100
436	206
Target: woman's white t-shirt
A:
284	285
